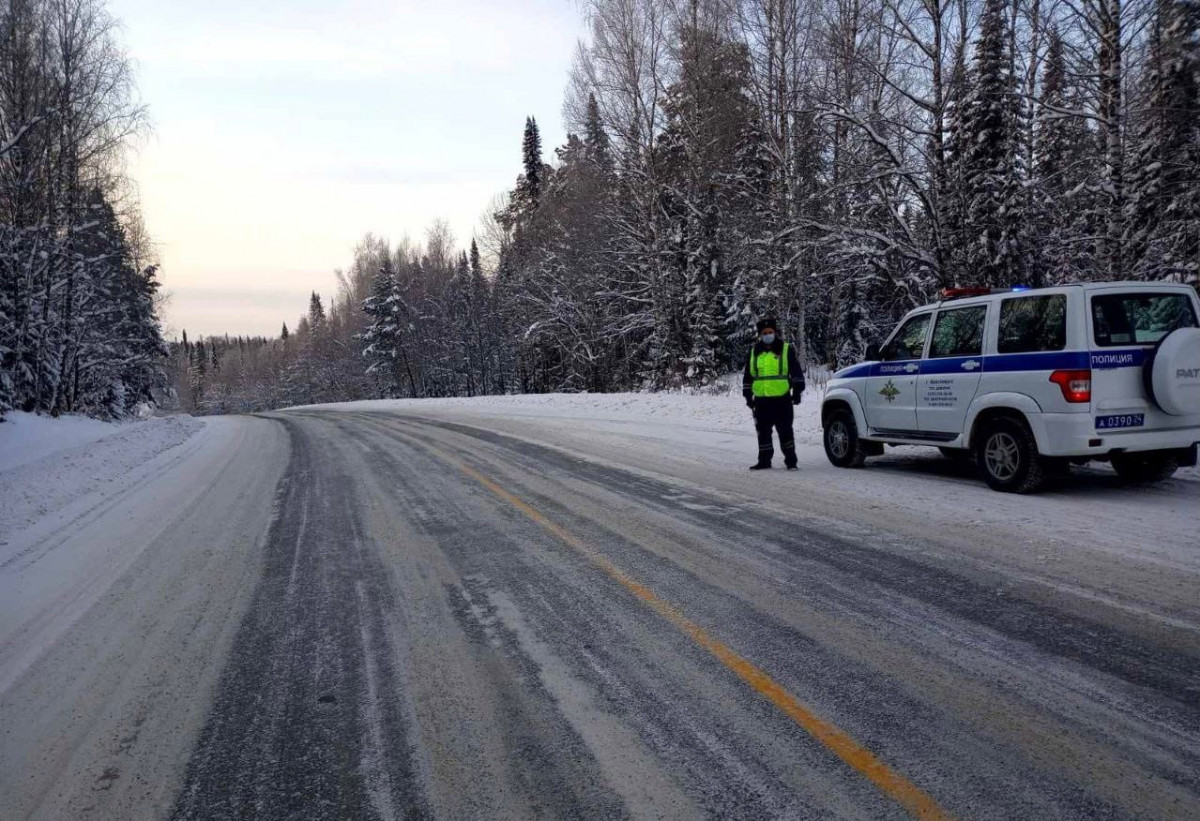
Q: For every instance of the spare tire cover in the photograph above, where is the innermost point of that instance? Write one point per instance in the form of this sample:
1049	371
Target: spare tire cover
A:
1175	372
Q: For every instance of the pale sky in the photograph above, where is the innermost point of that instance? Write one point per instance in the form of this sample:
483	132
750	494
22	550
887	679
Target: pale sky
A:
283	130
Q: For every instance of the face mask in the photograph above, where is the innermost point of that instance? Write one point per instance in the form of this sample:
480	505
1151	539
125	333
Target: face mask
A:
768	338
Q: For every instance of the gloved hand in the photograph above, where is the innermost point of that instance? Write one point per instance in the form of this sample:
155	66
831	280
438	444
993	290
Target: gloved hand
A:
796	398
750	402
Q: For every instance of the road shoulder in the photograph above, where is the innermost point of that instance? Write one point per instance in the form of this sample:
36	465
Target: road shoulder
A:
118	609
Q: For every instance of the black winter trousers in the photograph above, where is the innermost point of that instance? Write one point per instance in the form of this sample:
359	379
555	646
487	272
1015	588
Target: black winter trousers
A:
775	412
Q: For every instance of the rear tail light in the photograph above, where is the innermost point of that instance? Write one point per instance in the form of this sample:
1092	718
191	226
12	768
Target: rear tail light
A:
1076	386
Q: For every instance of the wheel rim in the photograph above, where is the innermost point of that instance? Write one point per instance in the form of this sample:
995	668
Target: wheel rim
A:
839	439
1002	456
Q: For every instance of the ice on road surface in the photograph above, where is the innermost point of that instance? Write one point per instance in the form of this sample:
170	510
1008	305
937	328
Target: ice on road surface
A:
583	606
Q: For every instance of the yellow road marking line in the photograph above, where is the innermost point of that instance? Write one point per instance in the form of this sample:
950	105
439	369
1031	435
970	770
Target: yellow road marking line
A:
896	786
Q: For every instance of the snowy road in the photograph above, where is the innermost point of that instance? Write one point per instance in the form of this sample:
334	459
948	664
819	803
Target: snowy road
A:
424	611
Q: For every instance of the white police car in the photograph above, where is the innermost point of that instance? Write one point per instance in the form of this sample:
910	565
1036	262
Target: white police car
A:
1030	381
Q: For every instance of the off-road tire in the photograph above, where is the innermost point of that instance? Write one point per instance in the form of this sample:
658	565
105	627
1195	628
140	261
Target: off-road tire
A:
1007	456
1145	468
842	445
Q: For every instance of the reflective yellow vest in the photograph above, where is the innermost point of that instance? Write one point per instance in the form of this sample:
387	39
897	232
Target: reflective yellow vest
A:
770	373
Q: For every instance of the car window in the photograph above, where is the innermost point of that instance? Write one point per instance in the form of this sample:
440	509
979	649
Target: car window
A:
1139	319
958	332
909	341
1033	323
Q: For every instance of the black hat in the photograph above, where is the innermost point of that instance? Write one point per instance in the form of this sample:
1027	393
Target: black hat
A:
767	322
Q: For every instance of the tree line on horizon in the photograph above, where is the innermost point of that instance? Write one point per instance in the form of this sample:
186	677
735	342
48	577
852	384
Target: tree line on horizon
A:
79	292
833	163
830	162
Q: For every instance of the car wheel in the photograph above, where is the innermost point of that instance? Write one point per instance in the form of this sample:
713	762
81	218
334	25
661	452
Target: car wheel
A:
842	445
1007	457
1145	467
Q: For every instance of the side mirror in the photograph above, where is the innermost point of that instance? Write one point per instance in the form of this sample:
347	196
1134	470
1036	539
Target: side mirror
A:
873	352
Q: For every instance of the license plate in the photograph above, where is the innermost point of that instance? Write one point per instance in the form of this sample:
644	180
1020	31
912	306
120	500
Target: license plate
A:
1120	420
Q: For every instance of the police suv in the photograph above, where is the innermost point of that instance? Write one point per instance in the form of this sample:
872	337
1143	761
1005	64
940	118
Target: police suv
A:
1027	382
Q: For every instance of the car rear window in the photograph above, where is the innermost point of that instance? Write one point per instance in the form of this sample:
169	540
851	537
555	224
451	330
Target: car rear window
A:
1033	323
1139	319
958	332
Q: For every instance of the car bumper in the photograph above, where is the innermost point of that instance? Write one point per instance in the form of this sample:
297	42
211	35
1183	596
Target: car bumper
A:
1074	434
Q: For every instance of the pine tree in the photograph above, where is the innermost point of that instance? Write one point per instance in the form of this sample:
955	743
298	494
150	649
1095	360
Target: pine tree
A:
757	264
144	350
953	197
111	350
709	115
595	138
379	338
475	262
480	319
989	135
316	311
530	188
1162	209
1059	252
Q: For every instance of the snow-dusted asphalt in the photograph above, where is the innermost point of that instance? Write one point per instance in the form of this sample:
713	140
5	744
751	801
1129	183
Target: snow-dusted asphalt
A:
346	614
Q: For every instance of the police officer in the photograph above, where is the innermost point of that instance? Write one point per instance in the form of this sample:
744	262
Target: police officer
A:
772	384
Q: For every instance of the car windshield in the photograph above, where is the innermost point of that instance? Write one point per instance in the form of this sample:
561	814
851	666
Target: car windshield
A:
909	341
1139	318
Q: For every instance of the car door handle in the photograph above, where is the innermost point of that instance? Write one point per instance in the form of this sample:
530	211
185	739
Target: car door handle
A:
970	365
912	367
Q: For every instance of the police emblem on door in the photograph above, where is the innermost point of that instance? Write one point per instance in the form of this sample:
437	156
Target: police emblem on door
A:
889	391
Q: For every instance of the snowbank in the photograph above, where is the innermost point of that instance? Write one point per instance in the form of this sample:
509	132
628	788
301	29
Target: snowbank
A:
28	437
46	464
685	413
719	413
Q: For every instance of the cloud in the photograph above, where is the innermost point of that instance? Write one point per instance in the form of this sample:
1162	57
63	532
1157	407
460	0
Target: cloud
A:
382	40
234	311
286	129
383	175
204	297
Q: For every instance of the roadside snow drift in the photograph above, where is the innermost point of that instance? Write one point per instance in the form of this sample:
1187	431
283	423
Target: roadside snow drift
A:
724	413
28	437
46	464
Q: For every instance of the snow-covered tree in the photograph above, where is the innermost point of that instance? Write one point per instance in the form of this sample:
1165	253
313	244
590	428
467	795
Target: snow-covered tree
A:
78	294
1162	209
990	175
832	163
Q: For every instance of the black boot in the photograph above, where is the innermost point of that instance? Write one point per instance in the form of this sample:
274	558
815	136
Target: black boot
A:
761	466
789	450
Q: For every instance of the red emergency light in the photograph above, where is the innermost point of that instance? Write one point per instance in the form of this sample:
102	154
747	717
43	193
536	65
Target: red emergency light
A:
956	293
